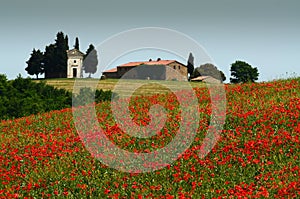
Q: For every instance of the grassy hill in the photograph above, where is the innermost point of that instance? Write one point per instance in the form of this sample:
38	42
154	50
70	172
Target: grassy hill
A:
151	87
257	155
68	84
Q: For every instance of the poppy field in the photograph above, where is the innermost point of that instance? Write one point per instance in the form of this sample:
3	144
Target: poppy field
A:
257	155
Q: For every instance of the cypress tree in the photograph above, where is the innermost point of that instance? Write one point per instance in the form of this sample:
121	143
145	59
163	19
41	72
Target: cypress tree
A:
61	55
190	65
67	41
90	60
76	46
49	61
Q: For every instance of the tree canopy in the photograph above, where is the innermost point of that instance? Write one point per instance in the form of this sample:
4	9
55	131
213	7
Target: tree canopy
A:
55	57
76	46
49	59
90	61
209	69
67	41
35	64
243	72
61	54
21	97
190	65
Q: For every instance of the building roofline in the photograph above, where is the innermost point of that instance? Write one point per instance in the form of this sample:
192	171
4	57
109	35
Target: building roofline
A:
160	62
113	70
77	51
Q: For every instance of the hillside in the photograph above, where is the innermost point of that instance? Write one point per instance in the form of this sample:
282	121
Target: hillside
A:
108	84
257	155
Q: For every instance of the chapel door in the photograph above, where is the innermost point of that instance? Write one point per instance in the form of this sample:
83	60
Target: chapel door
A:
74	72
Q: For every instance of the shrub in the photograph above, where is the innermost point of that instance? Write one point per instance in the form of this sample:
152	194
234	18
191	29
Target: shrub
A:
87	96
23	97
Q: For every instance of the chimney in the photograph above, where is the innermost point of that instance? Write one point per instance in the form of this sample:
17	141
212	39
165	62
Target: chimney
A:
158	59
150	60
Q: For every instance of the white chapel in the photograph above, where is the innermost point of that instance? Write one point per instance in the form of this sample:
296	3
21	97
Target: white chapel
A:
75	62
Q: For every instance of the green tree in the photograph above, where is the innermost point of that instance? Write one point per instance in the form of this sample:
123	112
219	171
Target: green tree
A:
209	70
49	60
61	55
4	97
90	60
243	72
190	65
67	41
55	57
3	84
35	64
76	46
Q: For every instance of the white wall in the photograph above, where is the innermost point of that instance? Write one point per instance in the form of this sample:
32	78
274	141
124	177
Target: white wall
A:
72	64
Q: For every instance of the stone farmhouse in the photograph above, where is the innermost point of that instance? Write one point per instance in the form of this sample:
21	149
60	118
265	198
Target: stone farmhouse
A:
155	70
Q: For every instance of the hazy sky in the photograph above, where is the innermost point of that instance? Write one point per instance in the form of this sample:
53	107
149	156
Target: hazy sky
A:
266	34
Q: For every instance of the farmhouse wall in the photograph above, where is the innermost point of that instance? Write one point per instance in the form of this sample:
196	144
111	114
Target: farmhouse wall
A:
176	71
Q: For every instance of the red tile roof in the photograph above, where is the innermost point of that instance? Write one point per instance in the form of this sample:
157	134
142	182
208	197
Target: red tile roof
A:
132	64
113	70
200	78
206	78
160	62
